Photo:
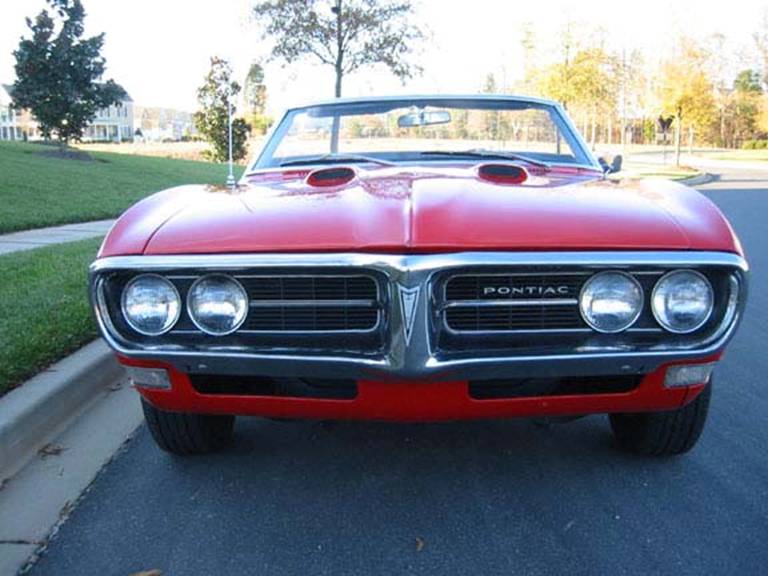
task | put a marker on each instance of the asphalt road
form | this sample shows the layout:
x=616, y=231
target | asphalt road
x=483, y=498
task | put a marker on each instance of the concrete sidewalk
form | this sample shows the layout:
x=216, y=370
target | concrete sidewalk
x=29, y=239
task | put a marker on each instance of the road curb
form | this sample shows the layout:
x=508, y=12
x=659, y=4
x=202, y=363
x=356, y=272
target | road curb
x=704, y=178
x=34, y=412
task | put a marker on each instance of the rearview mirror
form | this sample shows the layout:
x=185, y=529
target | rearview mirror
x=423, y=118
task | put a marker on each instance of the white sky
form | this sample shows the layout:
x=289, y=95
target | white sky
x=159, y=49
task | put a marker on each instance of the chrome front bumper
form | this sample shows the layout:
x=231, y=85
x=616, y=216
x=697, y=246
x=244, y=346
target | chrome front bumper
x=410, y=352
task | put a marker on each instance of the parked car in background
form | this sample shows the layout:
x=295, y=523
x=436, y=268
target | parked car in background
x=423, y=259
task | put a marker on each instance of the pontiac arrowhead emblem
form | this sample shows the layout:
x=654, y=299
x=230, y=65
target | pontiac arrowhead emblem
x=409, y=303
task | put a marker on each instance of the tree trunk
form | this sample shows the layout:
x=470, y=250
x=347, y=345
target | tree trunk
x=339, y=77
x=610, y=131
x=722, y=126
x=678, y=137
x=690, y=140
x=335, y=127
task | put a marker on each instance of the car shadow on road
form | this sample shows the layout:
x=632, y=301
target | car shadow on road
x=343, y=462
x=369, y=498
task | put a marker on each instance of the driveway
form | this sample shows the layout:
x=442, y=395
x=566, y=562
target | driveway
x=466, y=498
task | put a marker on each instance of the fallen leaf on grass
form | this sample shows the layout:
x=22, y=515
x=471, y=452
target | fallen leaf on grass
x=420, y=543
x=50, y=450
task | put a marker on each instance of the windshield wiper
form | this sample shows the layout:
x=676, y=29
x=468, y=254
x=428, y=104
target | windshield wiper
x=337, y=159
x=487, y=154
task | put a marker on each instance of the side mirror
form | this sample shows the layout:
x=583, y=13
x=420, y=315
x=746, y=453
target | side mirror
x=613, y=167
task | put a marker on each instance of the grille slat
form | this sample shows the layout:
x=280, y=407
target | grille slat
x=477, y=318
x=513, y=302
x=312, y=303
x=309, y=287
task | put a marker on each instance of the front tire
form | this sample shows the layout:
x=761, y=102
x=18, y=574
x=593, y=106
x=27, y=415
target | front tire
x=663, y=433
x=187, y=434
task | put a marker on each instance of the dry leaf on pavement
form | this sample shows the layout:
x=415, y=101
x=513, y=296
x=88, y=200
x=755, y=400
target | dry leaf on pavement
x=50, y=450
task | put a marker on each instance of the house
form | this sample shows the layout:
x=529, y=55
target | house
x=15, y=124
x=164, y=124
x=111, y=124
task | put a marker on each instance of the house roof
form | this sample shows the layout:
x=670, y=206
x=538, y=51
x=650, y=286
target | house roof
x=5, y=94
x=127, y=97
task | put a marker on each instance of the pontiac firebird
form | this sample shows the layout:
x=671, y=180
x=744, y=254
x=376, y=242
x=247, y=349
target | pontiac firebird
x=422, y=259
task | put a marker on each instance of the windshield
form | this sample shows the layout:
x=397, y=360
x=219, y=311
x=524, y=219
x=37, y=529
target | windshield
x=424, y=130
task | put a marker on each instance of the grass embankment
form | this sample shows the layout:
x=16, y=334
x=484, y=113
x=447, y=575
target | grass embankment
x=640, y=170
x=44, y=310
x=38, y=190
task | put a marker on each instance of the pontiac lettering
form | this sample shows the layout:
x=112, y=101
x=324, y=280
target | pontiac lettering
x=513, y=291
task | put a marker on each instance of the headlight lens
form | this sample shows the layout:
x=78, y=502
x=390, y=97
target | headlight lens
x=217, y=304
x=611, y=301
x=682, y=301
x=151, y=304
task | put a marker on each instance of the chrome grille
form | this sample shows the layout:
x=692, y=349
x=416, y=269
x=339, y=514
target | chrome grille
x=471, y=286
x=500, y=317
x=314, y=288
x=504, y=302
x=312, y=303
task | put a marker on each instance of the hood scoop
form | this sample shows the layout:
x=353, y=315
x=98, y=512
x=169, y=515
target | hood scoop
x=504, y=174
x=330, y=177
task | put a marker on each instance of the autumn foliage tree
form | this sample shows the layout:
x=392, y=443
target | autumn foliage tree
x=685, y=91
x=255, y=98
x=59, y=71
x=212, y=119
x=745, y=104
x=346, y=35
x=586, y=83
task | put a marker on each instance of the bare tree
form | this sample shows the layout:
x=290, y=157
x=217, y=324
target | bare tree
x=346, y=35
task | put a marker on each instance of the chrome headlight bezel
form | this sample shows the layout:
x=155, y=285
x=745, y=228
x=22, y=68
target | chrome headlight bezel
x=193, y=313
x=637, y=312
x=658, y=316
x=170, y=321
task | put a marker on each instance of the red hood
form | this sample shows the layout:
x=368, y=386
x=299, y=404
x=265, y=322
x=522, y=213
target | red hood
x=422, y=210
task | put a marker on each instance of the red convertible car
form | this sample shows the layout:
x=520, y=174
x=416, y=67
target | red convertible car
x=422, y=259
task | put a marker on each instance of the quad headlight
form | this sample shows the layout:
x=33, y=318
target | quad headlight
x=151, y=304
x=611, y=301
x=682, y=301
x=217, y=304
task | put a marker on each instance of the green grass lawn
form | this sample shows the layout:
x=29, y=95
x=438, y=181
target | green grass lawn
x=38, y=191
x=744, y=155
x=44, y=310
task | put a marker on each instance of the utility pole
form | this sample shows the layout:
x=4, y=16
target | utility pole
x=339, y=72
x=624, y=101
x=231, y=175
x=339, y=47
